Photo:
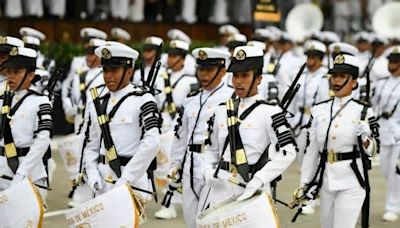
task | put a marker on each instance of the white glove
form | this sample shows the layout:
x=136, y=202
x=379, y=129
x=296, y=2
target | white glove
x=308, y=194
x=17, y=178
x=251, y=188
x=174, y=175
x=363, y=130
x=95, y=182
x=120, y=181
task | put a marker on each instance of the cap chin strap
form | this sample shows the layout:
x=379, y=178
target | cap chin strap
x=252, y=84
x=214, y=77
x=122, y=78
x=23, y=80
x=341, y=87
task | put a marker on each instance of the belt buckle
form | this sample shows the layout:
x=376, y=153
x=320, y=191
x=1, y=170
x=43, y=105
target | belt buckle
x=332, y=157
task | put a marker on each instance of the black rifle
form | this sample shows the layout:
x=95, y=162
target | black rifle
x=56, y=74
x=79, y=179
x=151, y=78
x=102, y=118
x=365, y=160
x=149, y=84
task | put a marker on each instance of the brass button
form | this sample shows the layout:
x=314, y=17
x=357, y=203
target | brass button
x=333, y=137
x=336, y=125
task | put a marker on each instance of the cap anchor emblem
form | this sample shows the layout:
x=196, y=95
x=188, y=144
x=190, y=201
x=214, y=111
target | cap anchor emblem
x=240, y=55
x=105, y=53
x=202, y=55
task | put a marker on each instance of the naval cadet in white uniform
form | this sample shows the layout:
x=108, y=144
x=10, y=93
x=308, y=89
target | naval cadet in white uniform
x=29, y=125
x=314, y=89
x=385, y=103
x=134, y=126
x=265, y=146
x=332, y=165
x=191, y=131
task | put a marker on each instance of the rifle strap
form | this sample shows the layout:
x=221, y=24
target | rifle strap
x=172, y=88
x=10, y=149
x=168, y=90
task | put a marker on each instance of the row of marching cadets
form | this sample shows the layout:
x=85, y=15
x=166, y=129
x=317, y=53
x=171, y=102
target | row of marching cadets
x=223, y=145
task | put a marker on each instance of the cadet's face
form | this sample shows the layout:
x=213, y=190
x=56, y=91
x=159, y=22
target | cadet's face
x=313, y=62
x=92, y=60
x=115, y=78
x=285, y=46
x=342, y=84
x=175, y=62
x=224, y=39
x=148, y=56
x=206, y=75
x=242, y=82
x=394, y=68
x=15, y=77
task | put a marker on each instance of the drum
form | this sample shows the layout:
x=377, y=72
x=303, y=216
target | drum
x=70, y=148
x=255, y=212
x=21, y=206
x=115, y=208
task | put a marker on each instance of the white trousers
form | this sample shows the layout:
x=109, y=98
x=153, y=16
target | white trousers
x=340, y=209
x=192, y=205
x=301, y=141
x=388, y=158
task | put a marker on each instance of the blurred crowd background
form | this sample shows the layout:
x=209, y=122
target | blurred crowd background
x=342, y=16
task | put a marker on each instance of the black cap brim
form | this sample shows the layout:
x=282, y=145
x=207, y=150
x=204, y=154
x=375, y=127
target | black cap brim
x=177, y=51
x=210, y=62
x=116, y=62
x=344, y=69
x=150, y=47
x=314, y=53
x=234, y=44
x=246, y=64
x=19, y=63
x=5, y=48
x=394, y=58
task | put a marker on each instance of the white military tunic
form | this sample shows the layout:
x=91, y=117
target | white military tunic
x=256, y=133
x=30, y=126
x=341, y=193
x=135, y=132
x=192, y=128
